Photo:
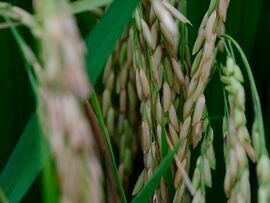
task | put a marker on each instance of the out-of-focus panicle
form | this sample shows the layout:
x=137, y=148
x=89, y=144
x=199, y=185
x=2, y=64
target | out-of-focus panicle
x=121, y=117
x=237, y=145
x=18, y=15
x=63, y=87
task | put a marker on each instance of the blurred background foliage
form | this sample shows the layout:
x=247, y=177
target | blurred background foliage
x=248, y=22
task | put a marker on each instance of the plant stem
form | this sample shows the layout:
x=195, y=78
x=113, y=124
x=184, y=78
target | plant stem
x=105, y=132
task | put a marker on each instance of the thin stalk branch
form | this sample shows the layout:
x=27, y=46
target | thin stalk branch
x=254, y=93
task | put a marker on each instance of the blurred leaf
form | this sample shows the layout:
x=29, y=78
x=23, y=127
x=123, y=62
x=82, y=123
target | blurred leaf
x=87, y=5
x=3, y=197
x=50, y=189
x=102, y=39
x=25, y=162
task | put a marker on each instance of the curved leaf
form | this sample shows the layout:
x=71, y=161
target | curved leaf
x=104, y=36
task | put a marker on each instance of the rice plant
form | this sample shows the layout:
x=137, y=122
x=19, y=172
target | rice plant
x=124, y=94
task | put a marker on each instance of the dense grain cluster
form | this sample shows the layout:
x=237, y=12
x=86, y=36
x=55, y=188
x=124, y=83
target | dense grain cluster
x=161, y=75
x=212, y=25
x=159, y=79
x=163, y=83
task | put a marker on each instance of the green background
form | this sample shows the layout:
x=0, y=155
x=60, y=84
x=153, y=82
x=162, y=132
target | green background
x=248, y=22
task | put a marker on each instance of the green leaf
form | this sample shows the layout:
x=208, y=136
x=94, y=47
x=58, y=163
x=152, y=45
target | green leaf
x=50, y=189
x=148, y=190
x=25, y=162
x=104, y=36
x=164, y=144
x=164, y=152
x=3, y=197
x=87, y=5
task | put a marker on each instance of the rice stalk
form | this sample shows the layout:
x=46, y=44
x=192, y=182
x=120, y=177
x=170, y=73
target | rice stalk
x=237, y=145
x=212, y=26
x=258, y=134
x=205, y=47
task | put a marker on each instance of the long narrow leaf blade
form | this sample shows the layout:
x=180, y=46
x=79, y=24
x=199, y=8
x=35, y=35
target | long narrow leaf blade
x=3, y=197
x=168, y=174
x=87, y=5
x=96, y=106
x=148, y=190
x=104, y=36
